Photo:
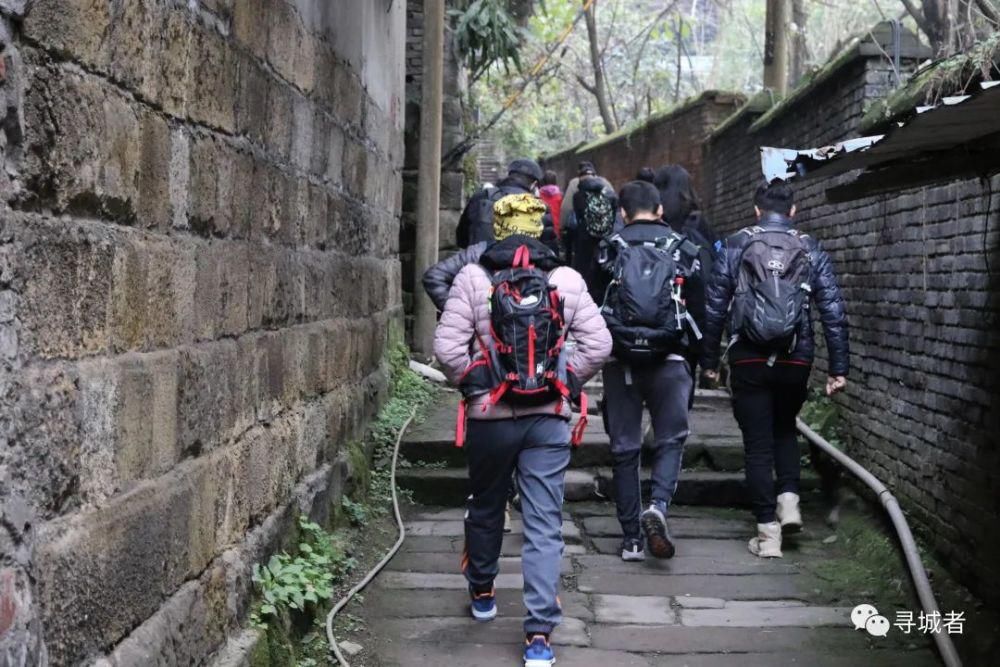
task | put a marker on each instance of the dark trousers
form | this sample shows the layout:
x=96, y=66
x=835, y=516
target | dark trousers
x=537, y=450
x=664, y=388
x=766, y=401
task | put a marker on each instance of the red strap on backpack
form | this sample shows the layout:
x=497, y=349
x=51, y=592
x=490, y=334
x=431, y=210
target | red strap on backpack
x=460, y=425
x=581, y=425
x=522, y=257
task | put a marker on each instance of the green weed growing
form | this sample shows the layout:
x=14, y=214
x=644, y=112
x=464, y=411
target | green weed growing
x=295, y=583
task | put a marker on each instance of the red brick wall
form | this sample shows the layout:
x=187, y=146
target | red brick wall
x=676, y=137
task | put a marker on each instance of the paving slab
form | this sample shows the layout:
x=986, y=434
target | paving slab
x=685, y=640
x=394, y=653
x=872, y=658
x=686, y=546
x=735, y=587
x=588, y=657
x=444, y=630
x=570, y=532
x=432, y=581
x=768, y=617
x=448, y=563
x=512, y=545
x=686, y=564
x=397, y=603
x=681, y=527
x=634, y=609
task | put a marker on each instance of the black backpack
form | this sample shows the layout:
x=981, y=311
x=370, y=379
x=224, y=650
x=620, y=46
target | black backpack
x=643, y=306
x=526, y=320
x=597, y=215
x=526, y=364
x=772, y=288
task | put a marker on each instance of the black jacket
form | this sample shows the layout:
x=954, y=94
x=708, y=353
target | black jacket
x=476, y=223
x=825, y=294
x=696, y=228
x=648, y=231
x=439, y=278
x=581, y=248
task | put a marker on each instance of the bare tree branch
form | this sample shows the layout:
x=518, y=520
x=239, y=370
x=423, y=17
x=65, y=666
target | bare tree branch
x=590, y=88
x=918, y=17
x=600, y=87
x=989, y=11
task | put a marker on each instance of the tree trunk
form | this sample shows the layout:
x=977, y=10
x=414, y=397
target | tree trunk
x=799, y=46
x=776, y=46
x=600, y=89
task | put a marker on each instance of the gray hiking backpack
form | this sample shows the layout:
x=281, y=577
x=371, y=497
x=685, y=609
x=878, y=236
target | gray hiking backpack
x=772, y=289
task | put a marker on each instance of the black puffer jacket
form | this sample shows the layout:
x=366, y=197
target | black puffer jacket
x=825, y=294
x=438, y=279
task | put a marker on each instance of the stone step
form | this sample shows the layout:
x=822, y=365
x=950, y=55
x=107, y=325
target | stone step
x=721, y=453
x=449, y=486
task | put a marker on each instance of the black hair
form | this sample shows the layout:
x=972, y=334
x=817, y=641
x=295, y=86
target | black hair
x=676, y=194
x=586, y=167
x=523, y=180
x=639, y=197
x=646, y=174
x=550, y=178
x=774, y=197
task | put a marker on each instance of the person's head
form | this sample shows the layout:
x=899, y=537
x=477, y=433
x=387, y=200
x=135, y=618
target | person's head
x=640, y=201
x=525, y=171
x=518, y=214
x=586, y=168
x=676, y=193
x=646, y=174
x=550, y=178
x=774, y=197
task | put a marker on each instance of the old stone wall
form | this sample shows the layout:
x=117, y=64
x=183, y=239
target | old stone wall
x=921, y=290
x=672, y=138
x=198, y=277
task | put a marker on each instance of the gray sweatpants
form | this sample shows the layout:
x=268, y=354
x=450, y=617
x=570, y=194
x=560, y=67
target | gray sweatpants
x=537, y=449
x=664, y=388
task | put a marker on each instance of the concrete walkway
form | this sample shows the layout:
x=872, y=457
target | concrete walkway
x=714, y=604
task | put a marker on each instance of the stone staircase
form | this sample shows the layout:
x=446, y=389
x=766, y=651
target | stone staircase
x=713, y=458
x=713, y=605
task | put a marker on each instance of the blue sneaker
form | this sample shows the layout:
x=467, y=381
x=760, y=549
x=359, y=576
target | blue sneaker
x=484, y=605
x=538, y=652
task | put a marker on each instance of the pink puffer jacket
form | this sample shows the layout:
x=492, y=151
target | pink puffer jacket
x=467, y=313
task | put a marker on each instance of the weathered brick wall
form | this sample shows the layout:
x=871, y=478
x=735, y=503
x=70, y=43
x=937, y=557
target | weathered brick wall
x=198, y=276
x=673, y=138
x=921, y=404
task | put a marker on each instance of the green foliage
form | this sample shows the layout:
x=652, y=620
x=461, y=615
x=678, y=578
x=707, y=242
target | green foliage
x=823, y=416
x=303, y=581
x=486, y=35
x=357, y=513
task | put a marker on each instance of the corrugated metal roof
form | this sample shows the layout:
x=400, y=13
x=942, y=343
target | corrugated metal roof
x=954, y=122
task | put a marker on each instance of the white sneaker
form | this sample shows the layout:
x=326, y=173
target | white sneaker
x=788, y=513
x=767, y=544
x=632, y=550
x=507, y=525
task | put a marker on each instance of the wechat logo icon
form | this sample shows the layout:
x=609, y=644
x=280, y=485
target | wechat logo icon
x=866, y=617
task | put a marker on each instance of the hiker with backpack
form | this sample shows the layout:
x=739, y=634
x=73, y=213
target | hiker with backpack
x=567, y=223
x=765, y=282
x=476, y=222
x=651, y=331
x=682, y=212
x=550, y=193
x=501, y=340
x=595, y=218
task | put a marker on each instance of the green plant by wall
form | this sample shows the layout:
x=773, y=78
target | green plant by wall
x=302, y=582
x=822, y=415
